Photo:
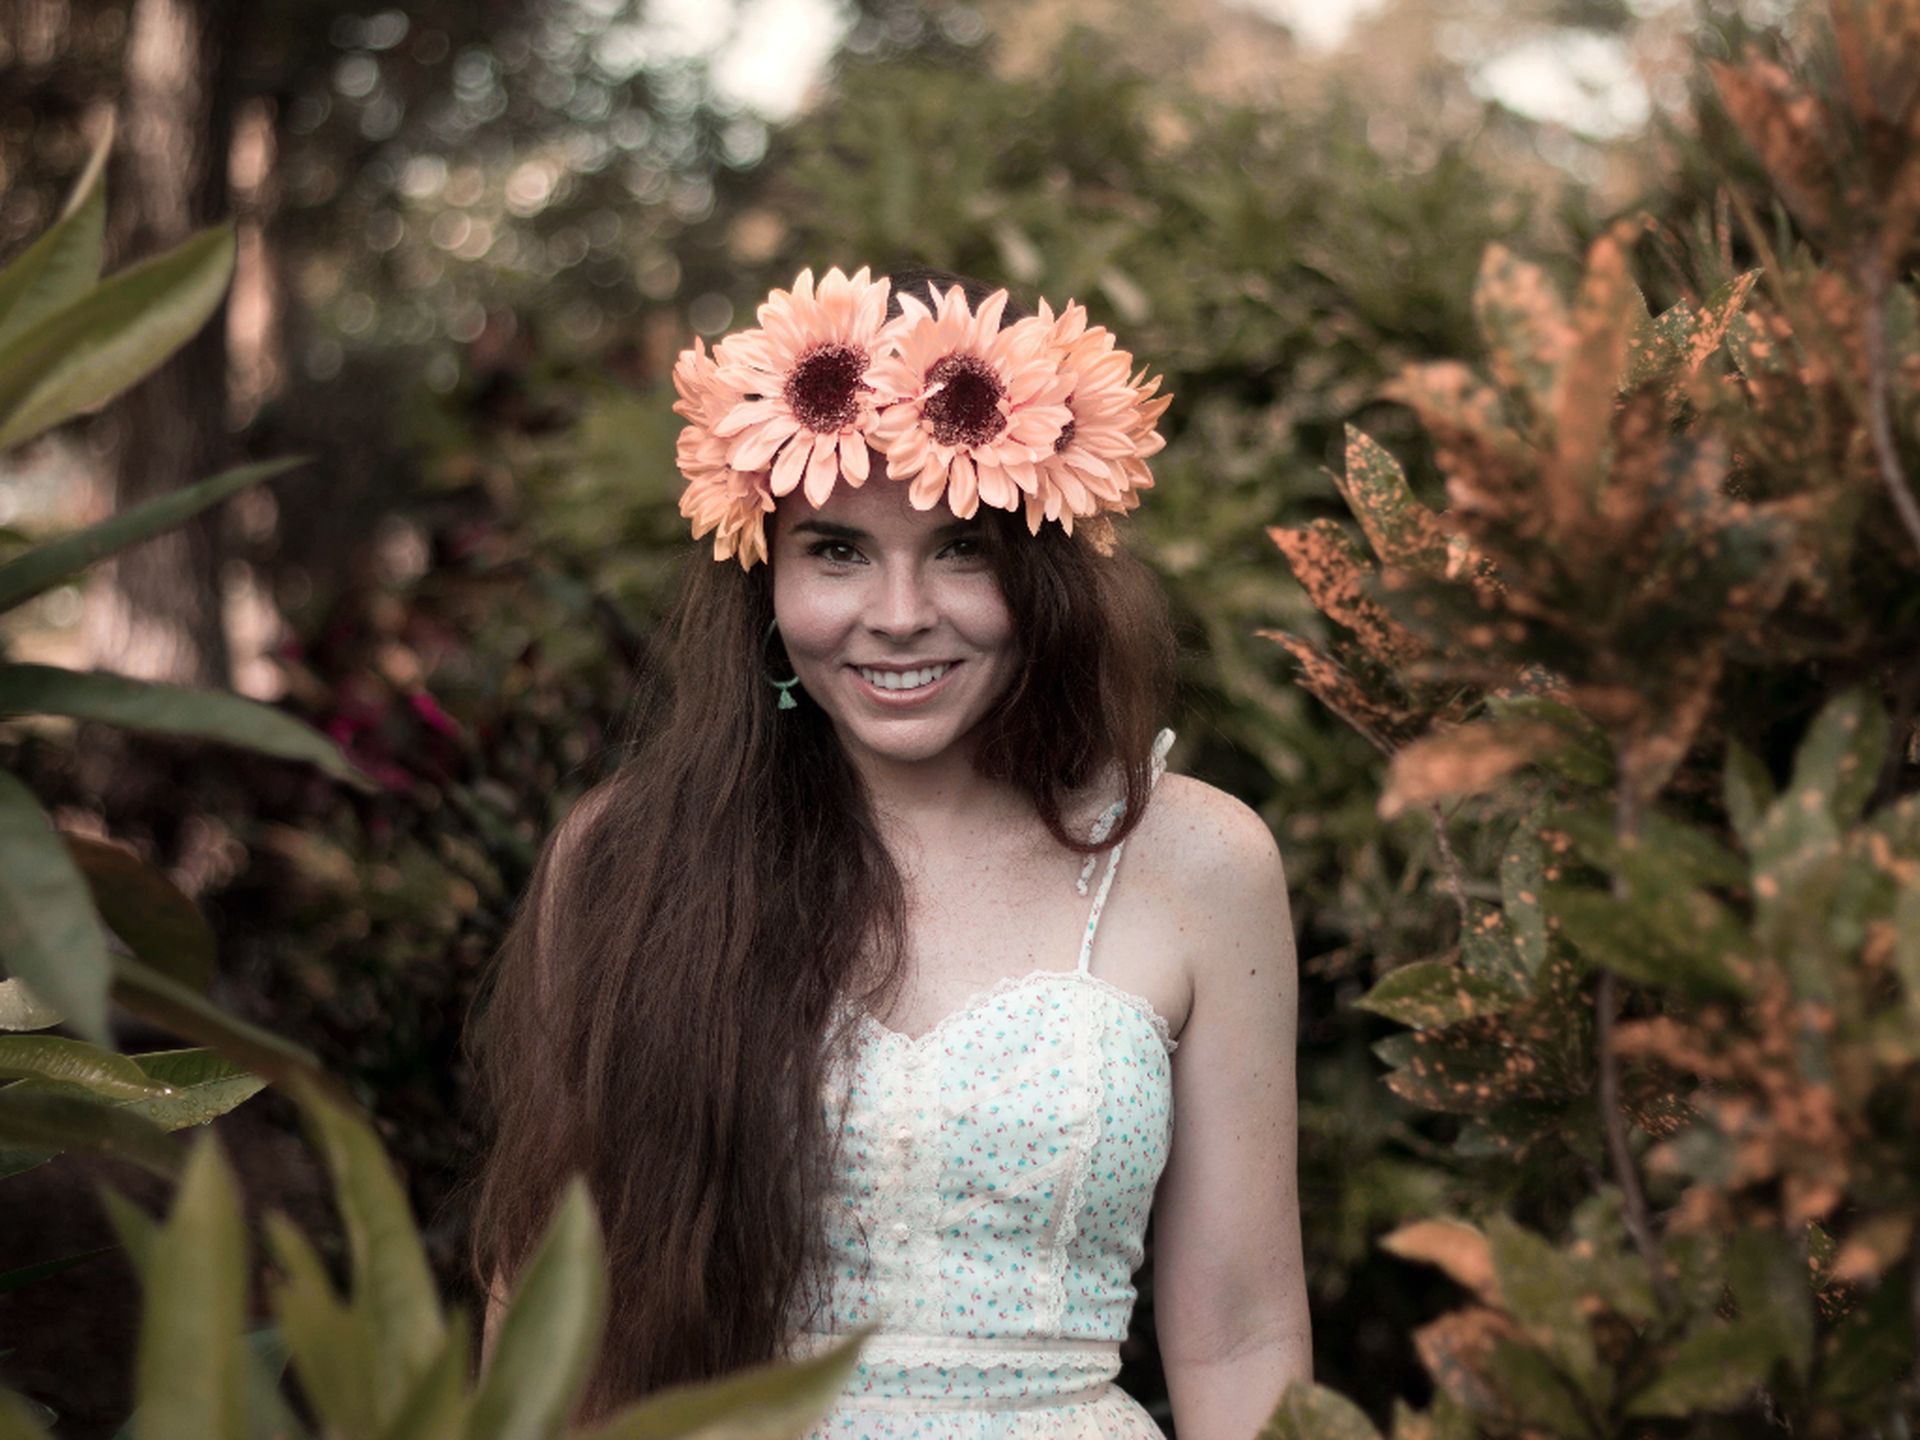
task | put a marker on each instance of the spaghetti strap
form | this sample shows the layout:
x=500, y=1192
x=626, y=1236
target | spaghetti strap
x=1102, y=828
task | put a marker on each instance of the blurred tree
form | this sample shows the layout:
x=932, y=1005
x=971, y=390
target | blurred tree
x=156, y=609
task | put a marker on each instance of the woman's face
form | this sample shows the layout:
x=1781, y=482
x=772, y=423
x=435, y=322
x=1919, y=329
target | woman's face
x=892, y=616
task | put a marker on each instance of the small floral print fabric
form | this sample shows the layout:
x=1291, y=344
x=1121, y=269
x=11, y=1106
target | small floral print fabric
x=994, y=1183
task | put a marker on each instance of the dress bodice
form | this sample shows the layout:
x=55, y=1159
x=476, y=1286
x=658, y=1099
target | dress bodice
x=993, y=1185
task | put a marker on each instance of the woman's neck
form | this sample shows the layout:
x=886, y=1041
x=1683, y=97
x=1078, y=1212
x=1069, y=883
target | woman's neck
x=938, y=795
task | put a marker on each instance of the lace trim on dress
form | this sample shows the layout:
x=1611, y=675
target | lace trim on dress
x=1086, y=1069
x=1139, y=1004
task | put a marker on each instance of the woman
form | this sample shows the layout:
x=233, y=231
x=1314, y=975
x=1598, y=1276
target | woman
x=810, y=988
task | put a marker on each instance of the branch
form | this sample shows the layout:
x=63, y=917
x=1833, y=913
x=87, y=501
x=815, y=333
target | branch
x=1612, y=1118
x=1873, y=279
x=1456, y=878
x=1614, y=1123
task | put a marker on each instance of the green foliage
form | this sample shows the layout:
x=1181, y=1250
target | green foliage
x=385, y=1361
x=68, y=342
x=1664, y=536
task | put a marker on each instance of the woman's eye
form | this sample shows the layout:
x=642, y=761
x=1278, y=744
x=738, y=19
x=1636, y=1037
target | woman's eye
x=838, y=551
x=964, y=548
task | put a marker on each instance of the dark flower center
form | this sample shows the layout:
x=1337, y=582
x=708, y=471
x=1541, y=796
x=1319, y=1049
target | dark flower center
x=1066, y=437
x=966, y=410
x=823, y=388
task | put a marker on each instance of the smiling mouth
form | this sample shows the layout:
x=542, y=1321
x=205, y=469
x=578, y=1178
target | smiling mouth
x=903, y=679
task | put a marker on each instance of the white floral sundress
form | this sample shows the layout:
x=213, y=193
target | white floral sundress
x=995, y=1178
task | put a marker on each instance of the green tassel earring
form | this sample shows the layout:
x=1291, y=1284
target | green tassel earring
x=785, y=687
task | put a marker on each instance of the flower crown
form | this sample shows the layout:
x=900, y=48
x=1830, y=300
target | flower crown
x=1045, y=415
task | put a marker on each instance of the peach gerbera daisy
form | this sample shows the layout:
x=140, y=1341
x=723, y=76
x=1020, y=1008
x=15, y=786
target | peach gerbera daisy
x=967, y=407
x=732, y=503
x=804, y=402
x=1099, y=460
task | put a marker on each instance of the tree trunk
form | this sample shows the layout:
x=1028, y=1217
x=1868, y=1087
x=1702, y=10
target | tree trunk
x=155, y=611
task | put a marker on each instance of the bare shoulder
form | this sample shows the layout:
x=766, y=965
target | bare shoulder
x=1226, y=880
x=1209, y=841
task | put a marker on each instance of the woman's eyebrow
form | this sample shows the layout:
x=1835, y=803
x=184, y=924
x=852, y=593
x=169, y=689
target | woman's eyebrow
x=829, y=529
x=835, y=531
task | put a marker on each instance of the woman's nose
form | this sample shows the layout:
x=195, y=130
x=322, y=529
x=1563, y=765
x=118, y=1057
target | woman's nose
x=904, y=605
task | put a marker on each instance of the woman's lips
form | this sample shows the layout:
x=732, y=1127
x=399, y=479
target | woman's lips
x=899, y=699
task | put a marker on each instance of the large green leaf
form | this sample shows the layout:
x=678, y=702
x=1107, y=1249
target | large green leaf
x=1684, y=939
x=87, y=352
x=74, y=1062
x=55, y=561
x=22, y=1276
x=46, y=1120
x=1664, y=855
x=64, y=263
x=21, y=1009
x=550, y=1334
x=1767, y=1275
x=189, y=1014
x=1541, y=1289
x=394, y=1297
x=202, y=1085
x=150, y=913
x=171, y=710
x=1313, y=1412
x=1535, y=1391
x=1432, y=993
x=1838, y=762
x=263, y=1361
x=778, y=1400
x=330, y=1345
x=190, y=1379
x=1715, y=1367
x=49, y=934
x=134, y=1227
x=199, y=1086
x=1870, y=1350
x=20, y=1420
x=439, y=1404
x=1748, y=791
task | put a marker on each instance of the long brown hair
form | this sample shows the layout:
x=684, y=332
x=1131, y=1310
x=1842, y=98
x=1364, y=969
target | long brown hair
x=661, y=1016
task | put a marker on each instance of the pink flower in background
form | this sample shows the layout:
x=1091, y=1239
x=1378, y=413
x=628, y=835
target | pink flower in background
x=429, y=710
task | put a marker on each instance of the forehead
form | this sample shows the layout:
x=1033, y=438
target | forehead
x=879, y=508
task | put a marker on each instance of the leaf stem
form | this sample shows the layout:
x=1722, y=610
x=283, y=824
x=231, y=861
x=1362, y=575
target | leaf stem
x=1873, y=280
x=1612, y=1117
x=1456, y=878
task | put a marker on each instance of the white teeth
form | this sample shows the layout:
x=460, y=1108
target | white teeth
x=903, y=679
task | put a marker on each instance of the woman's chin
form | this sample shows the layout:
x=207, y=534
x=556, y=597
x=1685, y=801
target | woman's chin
x=903, y=740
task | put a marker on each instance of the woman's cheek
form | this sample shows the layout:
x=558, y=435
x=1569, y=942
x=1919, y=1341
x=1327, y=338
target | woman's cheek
x=816, y=621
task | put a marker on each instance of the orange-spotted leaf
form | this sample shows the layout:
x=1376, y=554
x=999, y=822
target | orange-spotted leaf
x=1471, y=1067
x=1402, y=531
x=1466, y=761
x=1334, y=569
x=1789, y=129
x=1679, y=340
x=1456, y=1350
x=1526, y=327
x=1384, y=722
x=1582, y=403
x=1429, y=994
x=1488, y=467
x=1454, y=1246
